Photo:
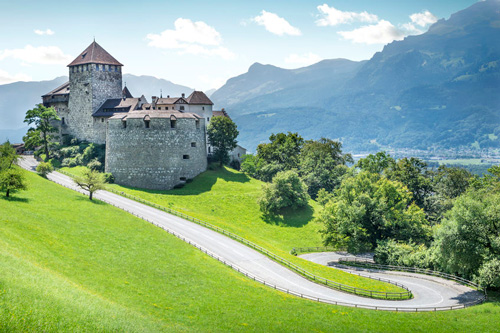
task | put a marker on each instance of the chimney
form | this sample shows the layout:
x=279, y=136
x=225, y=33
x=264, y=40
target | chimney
x=183, y=95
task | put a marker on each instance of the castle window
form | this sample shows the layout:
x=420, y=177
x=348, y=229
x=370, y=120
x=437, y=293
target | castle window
x=209, y=150
x=107, y=68
x=173, y=123
x=208, y=118
x=193, y=144
x=185, y=157
x=146, y=123
x=181, y=108
x=111, y=68
x=166, y=108
x=97, y=67
x=183, y=179
x=62, y=120
x=102, y=120
x=159, y=108
x=197, y=123
x=203, y=108
x=124, y=123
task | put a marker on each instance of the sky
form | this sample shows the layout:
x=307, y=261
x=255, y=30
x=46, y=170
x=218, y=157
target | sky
x=201, y=44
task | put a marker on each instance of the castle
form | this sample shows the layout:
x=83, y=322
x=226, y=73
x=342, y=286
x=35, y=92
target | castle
x=155, y=145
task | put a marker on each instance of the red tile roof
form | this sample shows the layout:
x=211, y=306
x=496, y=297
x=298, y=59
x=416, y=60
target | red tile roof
x=95, y=54
x=199, y=97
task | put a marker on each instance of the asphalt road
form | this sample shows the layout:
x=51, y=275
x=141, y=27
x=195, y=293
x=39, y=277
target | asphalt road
x=429, y=292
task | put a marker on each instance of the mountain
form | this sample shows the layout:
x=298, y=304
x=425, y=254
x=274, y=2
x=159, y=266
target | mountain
x=18, y=97
x=438, y=89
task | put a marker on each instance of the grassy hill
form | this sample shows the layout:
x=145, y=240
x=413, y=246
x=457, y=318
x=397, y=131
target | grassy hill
x=228, y=199
x=69, y=264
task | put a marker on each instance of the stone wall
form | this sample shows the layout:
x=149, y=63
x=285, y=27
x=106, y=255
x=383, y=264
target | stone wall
x=158, y=157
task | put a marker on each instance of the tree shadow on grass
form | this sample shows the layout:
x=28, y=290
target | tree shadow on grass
x=201, y=183
x=290, y=218
x=14, y=199
x=93, y=201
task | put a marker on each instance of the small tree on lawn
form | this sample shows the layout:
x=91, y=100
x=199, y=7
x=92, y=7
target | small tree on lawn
x=286, y=191
x=91, y=181
x=222, y=133
x=40, y=135
x=11, y=179
x=44, y=168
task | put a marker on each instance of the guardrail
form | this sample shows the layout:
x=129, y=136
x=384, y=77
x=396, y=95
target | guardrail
x=317, y=249
x=329, y=283
x=305, y=296
x=370, y=264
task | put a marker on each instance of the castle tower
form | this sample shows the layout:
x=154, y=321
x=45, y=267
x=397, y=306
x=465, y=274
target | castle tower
x=94, y=77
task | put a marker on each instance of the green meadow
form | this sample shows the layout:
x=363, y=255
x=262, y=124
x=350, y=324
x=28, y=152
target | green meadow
x=69, y=264
x=228, y=199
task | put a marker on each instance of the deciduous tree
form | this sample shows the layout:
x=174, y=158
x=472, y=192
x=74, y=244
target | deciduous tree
x=91, y=181
x=41, y=134
x=222, y=133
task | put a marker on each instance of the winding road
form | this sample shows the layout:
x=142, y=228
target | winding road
x=430, y=293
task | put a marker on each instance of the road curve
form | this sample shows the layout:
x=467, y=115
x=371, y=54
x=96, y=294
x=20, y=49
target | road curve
x=429, y=293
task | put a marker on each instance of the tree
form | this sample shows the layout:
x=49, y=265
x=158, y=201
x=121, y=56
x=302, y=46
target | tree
x=368, y=208
x=283, y=150
x=222, y=133
x=40, y=135
x=377, y=163
x=11, y=179
x=469, y=235
x=413, y=173
x=8, y=156
x=44, y=168
x=286, y=191
x=91, y=181
x=322, y=164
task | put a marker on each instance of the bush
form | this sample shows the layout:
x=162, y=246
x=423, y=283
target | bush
x=286, y=191
x=108, y=178
x=235, y=164
x=95, y=165
x=489, y=274
x=44, y=168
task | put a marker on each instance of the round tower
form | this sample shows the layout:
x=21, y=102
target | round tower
x=94, y=77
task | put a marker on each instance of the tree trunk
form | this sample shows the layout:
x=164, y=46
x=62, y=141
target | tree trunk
x=90, y=195
x=7, y=193
x=46, y=146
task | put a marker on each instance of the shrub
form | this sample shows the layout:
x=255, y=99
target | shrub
x=489, y=274
x=44, y=168
x=108, y=178
x=95, y=165
x=235, y=164
x=286, y=191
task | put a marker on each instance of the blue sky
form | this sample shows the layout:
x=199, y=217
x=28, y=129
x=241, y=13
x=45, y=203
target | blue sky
x=203, y=43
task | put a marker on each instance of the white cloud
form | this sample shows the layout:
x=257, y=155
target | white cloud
x=8, y=78
x=46, y=55
x=381, y=33
x=275, y=24
x=423, y=19
x=333, y=16
x=191, y=38
x=302, y=59
x=44, y=32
